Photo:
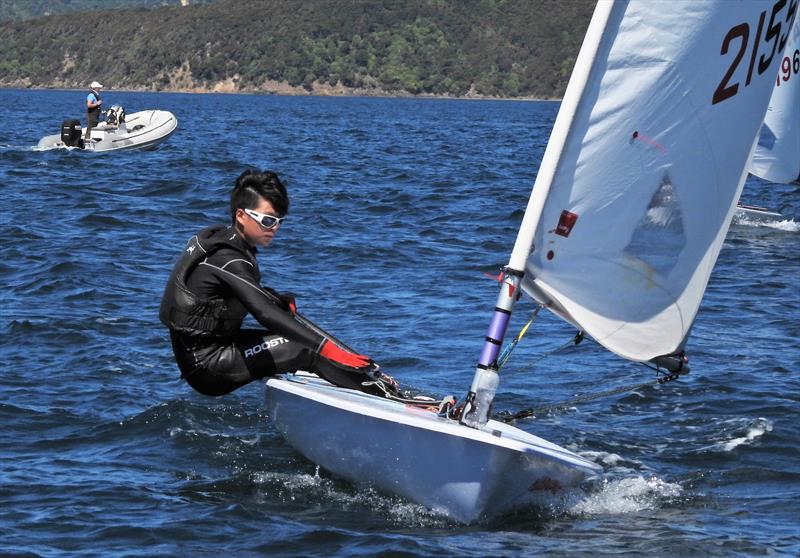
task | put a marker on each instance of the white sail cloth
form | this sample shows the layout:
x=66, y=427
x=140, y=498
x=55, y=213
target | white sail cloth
x=643, y=170
x=777, y=156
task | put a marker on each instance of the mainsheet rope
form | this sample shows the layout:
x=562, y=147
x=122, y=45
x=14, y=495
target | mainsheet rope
x=507, y=416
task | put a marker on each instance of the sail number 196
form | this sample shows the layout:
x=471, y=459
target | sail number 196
x=789, y=67
x=739, y=36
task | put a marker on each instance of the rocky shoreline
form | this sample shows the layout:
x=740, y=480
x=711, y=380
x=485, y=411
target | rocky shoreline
x=185, y=84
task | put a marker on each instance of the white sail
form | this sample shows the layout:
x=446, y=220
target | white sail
x=640, y=178
x=777, y=156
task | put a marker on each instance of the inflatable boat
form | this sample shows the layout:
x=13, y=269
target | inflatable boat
x=139, y=130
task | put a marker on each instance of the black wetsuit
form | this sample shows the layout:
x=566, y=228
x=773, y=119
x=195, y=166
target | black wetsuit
x=215, y=284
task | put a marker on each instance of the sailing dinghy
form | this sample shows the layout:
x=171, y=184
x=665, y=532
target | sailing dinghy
x=777, y=155
x=756, y=214
x=635, y=194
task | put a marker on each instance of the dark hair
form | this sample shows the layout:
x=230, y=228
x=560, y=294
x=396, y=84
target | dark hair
x=252, y=185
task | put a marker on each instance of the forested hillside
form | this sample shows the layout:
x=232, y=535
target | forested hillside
x=28, y=9
x=502, y=48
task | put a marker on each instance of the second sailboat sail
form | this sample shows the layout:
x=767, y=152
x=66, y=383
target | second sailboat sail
x=777, y=156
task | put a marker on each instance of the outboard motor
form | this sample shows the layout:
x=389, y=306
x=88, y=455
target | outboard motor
x=71, y=133
x=115, y=116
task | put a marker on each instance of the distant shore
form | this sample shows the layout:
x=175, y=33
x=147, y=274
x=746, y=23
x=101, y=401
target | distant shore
x=271, y=88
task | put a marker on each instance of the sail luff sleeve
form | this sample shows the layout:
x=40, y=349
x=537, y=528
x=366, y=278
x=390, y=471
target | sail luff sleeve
x=479, y=399
x=558, y=137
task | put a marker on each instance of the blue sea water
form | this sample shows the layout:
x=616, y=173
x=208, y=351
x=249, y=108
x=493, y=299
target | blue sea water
x=399, y=209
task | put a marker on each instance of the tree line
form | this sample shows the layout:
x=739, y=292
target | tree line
x=20, y=10
x=502, y=48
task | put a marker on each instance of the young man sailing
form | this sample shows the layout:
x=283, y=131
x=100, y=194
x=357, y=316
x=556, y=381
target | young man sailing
x=216, y=283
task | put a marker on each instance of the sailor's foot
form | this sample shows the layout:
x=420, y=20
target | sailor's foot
x=454, y=408
x=385, y=386
x=390, y=382
x=446, y=405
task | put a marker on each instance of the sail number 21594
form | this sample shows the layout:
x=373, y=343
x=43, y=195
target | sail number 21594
x=768, y=41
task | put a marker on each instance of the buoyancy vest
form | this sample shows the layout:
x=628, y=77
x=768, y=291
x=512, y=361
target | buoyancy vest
x=182, y=310
x=95, y=109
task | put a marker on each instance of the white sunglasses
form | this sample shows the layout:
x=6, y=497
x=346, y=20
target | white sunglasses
x=266, y=221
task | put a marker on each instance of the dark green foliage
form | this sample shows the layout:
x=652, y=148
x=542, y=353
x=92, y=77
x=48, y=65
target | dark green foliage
x=19, y=10
x=502, y=48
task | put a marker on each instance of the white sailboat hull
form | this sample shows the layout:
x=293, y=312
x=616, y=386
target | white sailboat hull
x=467, y=474
x=756, y=214
x=141, y=130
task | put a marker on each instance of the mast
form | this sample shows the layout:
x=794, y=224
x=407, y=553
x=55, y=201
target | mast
x=479, y=399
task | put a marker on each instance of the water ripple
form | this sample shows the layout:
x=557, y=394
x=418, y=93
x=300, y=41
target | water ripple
x=400, y=208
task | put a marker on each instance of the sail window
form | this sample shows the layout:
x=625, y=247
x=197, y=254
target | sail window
x=659, y=236
x=766, y=138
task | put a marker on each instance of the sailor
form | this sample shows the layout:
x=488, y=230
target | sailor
x=93, y=102
x=216, y=283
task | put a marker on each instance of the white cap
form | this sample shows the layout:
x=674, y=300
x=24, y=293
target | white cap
x=96, y=85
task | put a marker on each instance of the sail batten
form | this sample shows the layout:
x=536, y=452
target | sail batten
x=634, y=198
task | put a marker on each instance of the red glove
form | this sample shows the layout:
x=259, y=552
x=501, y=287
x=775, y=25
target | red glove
x=283, y=300
x=332, y=352
x=289, y=301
